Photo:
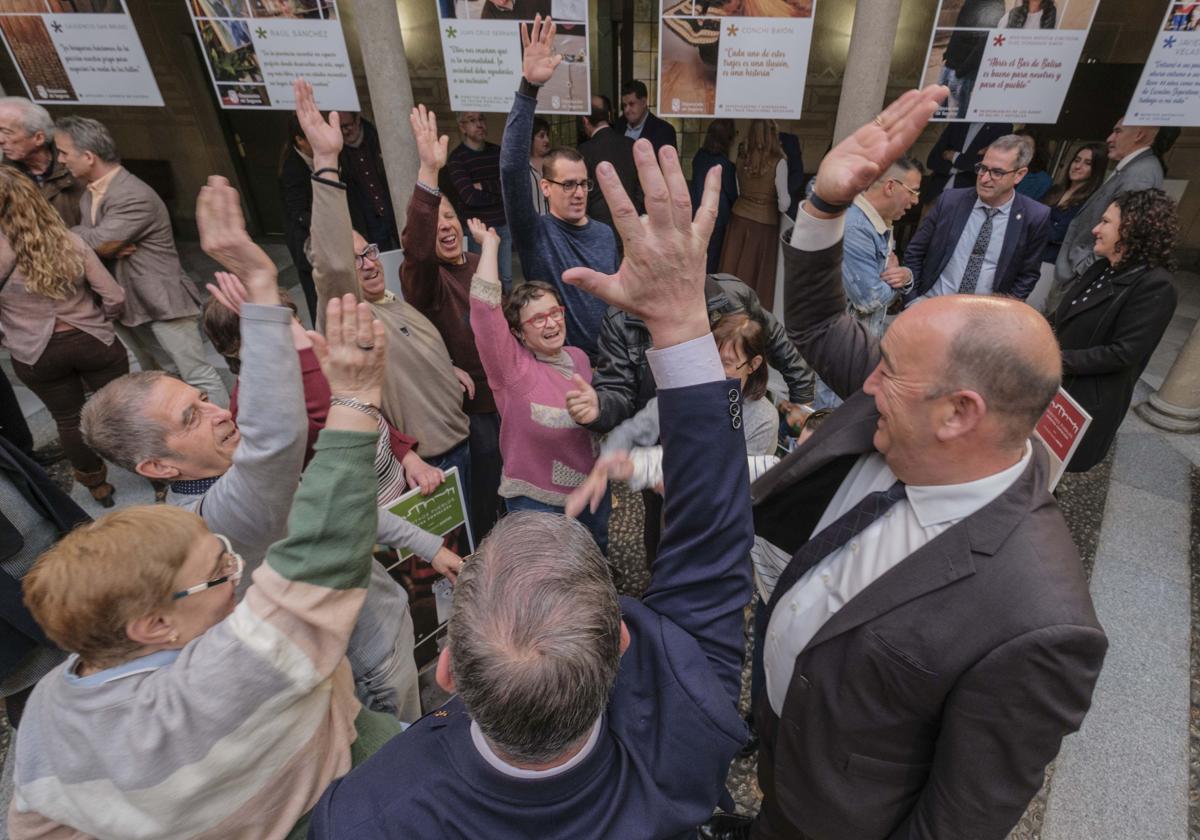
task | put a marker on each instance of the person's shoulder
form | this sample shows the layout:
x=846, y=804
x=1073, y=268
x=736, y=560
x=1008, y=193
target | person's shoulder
x=1034, y=209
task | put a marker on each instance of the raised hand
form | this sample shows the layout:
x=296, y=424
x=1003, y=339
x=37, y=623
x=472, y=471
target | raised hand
x=856, y=162
x=582, y=403
x=230, y=291
x=482, y=234
x=661, y=278
x=223, y=237
x=324, y=136
x=540, y=60
x=616, y=466
x=431, y=148
x=352, y=351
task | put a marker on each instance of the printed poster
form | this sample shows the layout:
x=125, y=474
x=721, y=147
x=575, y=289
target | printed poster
x=733, y=58
x=1006, y=60
x=1169, y=90
x=1061, y=429
x=481, y=46
x=255, y=49
x=443, y=512
x=81, y=51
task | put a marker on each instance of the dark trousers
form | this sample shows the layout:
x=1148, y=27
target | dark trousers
x=12, y=420
x=486, y=466
x=72, y=364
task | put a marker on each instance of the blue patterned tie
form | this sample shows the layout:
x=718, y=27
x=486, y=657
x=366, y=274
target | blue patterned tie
x=835, y=535
x=975, y=263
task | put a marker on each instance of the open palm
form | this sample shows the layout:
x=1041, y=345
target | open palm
x=540, y=59
x=324, y=137
x=431, y=149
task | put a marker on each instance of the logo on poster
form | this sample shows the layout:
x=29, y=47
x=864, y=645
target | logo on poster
x=675, y=103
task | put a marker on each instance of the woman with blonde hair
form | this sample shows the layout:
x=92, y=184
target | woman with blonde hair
x=751, y=240
x=57, y=305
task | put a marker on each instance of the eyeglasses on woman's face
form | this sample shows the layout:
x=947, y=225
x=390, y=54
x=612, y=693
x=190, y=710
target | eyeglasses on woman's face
x=232, y=566
x=540, y=320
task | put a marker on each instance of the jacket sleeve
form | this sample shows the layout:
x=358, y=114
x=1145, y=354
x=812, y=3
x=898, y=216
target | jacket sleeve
x=918, y=248
x=400, y=533
x=419, y=271
x=112, y=296
x=332, y=247
x=522, y=216
x=615, y=376
x=982, y=776
x=837, y=345
x=1136, y=331
x=1031, y=266
x=123, y=218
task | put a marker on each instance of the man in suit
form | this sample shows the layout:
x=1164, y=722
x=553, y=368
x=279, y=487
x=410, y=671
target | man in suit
x=637, y=120
x=932, y=639
x=580, y=714
x=1137, y=169
x=605, y=144
x=126, y=223
x=986, y=240
x=953, y=157
x=27, y=142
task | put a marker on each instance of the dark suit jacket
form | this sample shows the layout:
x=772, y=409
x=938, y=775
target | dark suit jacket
x=613, y=146
x=1107, y=340
x=671, y=726
x=295, y=190
x=929, y=705
x=658, y=131
x=952, y=139
x=1020, y=263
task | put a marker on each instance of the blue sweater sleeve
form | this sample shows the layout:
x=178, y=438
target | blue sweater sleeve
x=514, y=176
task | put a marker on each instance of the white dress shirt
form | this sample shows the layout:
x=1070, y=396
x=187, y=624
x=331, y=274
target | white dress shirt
x=843, y=574
x=952, y=276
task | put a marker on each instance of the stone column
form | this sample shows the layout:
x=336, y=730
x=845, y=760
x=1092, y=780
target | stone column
x=382, y=47
x=1175, y=406
x=868, y=63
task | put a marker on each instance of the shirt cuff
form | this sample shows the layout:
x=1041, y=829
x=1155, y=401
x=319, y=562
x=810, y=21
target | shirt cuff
x=813, y=234
x=690, y=363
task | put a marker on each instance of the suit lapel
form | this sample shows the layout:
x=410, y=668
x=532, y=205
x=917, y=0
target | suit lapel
x=962, y=212
x=1012, y=232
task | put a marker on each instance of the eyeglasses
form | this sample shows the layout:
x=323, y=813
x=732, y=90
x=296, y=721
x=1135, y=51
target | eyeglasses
x=371, y=252
x=570, y=186
x=995, y=173
x=729, y=364
x=914, y=193
x=233, y=567
x=540, y=320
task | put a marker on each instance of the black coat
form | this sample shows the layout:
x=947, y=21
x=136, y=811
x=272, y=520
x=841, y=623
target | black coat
x=613, y=146
x=1107, y=339
x=658, y=131
x=295, y=190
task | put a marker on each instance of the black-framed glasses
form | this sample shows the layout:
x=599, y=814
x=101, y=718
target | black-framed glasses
x=371, y=252
x=912, y=192
x=995, y=173
x=570, y=186
x=233, y=567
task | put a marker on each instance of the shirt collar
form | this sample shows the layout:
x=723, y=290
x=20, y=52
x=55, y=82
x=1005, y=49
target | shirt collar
x=942, y=503
x=141, y=665
x=1003, y=208
x=194, y=486
x=881, y=227
x=1123, y=162
x=101, y=183
x=500, y=765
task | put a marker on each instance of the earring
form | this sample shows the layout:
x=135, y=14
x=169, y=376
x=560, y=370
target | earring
x=173, y=638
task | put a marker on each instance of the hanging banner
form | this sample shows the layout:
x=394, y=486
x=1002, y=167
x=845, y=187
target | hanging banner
x=733, y=58
x=1006, y=60
x=481, y=46
x=255, y=49
x=1169, y=90
x=80, y=51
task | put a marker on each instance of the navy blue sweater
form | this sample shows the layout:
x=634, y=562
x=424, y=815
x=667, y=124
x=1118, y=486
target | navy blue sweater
x=549, y=246
x=671, y=726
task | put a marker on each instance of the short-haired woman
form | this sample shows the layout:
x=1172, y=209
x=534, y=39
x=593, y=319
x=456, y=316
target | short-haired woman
x=57, y=305
x=718, y=140
x=182, y=712
x=1113, y=314
x=530, y=371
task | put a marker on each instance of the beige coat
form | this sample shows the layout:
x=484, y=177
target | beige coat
x=156, y=286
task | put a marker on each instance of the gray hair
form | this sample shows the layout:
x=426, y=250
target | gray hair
x=34, y=117
x=535, y=636
x=114, y=423
x=90, y=135
x=1022, y=145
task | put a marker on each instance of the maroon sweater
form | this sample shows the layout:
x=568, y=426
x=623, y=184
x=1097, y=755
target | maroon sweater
x=442, y=293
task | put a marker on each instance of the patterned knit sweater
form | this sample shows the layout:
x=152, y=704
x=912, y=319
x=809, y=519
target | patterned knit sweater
x=237, y=734
x=546, y=455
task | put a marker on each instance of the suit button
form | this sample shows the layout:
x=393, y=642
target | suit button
x=736, y=422
x=733, y=395
x=734, y=409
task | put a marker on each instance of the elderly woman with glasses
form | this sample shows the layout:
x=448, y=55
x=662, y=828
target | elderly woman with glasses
x=181, y=712
x=521, y=344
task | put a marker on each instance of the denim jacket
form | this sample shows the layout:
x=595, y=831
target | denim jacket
x=866, y=245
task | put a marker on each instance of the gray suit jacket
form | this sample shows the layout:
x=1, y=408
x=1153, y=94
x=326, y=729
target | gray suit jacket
x=156, y=286
x=1142, y=173
x=930, y=704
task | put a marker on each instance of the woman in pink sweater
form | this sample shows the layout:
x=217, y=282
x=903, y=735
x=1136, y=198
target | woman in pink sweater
x=546, y=455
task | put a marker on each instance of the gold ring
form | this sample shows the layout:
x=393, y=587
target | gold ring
x=878, y=120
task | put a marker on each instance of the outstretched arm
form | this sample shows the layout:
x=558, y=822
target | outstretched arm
x=419, y=271
x=504, y=358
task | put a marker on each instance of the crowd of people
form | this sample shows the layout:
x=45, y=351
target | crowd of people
x=236, y=662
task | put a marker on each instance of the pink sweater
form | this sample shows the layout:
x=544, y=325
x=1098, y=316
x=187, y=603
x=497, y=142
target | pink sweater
x=546, y=455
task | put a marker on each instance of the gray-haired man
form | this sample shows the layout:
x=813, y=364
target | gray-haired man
x=126, y=223
x=27, y=141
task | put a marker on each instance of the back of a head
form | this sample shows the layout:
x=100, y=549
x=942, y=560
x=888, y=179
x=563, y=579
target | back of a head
x=90, y=135
x=51, y=262
x=535, y=635
x=34, y=117
x=718, y=138
x=114, y=423
x=601, y=110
